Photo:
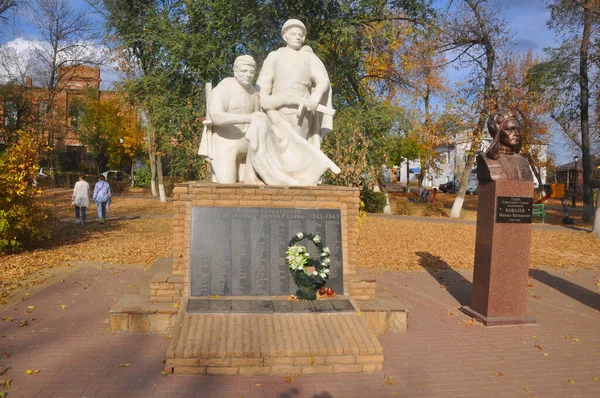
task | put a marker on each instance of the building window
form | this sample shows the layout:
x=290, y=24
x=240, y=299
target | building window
x=11, y=114
x=43, y=106
x=75, y=112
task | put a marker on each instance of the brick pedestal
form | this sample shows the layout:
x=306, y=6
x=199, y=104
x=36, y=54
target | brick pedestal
x=502, y=253
x=188, y=195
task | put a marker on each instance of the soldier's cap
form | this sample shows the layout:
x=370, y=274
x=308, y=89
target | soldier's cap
x=291, y=23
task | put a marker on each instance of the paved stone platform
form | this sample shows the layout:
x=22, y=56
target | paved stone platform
x=443, y=354
x=273, y=344
x=267, y=306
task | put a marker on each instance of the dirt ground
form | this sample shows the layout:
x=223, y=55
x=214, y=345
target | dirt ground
x=409, y=245
x=138, y=231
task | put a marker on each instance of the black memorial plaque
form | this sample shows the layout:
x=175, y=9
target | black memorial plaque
x=240, y=251
x=514, y=209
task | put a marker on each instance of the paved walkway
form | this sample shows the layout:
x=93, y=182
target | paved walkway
x=63, y=332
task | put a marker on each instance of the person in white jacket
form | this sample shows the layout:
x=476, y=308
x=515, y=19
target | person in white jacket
x=81, y=199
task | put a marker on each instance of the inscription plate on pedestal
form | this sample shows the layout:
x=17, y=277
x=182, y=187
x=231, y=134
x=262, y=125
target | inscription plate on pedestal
x=514, y=209
x=240, y=251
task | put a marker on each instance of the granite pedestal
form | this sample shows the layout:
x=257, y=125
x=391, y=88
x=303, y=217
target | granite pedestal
x=502, y=250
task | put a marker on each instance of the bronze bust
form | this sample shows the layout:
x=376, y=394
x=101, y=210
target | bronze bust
x=502, y=160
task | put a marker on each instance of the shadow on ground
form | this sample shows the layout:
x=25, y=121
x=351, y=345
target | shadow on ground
x=576, y=292
x=457, y=285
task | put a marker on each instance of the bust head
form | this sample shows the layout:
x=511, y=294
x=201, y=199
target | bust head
x=504, y=128
x=244, y=69
x=293, y=32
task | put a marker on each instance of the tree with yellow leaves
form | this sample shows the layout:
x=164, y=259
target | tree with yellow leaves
x=514, y=92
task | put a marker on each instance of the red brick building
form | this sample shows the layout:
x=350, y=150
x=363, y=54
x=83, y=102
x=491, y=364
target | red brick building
x=22, y=107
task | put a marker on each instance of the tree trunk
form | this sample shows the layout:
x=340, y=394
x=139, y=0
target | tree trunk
x=464, y=181
x=153, y=173
x=152, y=156
x=536, y=173
x=407, y=176
x=161, y=185
x=588, y=205
x=490, y=57
x=596, y=227
x=132, y=172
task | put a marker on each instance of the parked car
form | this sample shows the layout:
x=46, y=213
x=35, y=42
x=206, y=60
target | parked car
x=471, y=189
x=447, y=187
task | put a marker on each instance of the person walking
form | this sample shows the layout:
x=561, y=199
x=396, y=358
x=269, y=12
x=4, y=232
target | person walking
x=102, y=196
x=81, y=199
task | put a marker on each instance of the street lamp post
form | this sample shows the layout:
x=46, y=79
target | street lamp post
x=576, y=174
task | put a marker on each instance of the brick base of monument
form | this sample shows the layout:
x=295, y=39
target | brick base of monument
x=502, y=251
x=497, y=321
x=272, y=344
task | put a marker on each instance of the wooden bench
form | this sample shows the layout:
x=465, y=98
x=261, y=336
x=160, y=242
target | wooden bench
x=539, y=209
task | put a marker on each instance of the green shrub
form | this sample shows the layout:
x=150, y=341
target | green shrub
x=404, y=207
x=23, y=222
x=434, y=210
x=143, y=176
x=374, y=202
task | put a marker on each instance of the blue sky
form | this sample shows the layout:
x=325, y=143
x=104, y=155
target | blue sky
x=526, y=18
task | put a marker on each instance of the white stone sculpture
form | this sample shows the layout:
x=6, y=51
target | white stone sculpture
x=229, y=111
x=281, y=146
x=296, y=94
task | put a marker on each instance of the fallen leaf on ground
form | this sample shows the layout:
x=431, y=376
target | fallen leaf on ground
x=594, y=378
x=471, y=322
x=288, y=379
x=32, y=371
x=569, y=337
x=6, y=355
x=62, y=306
x=258, y=385
x=499, y=374
x=571, y=381
x=124, y=365
x=388, y=380
x=5, y=383
x=31, y=307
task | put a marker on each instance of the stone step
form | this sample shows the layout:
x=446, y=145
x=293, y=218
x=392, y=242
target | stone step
x=272, y=344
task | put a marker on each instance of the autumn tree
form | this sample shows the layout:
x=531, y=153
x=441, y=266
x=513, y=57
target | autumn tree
x=109, y=129
x=577, y=22
x=514, y=90
x=473, y=33
x=23, y=221
x=15, y=92
x=175, y=46
x=67, y=40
